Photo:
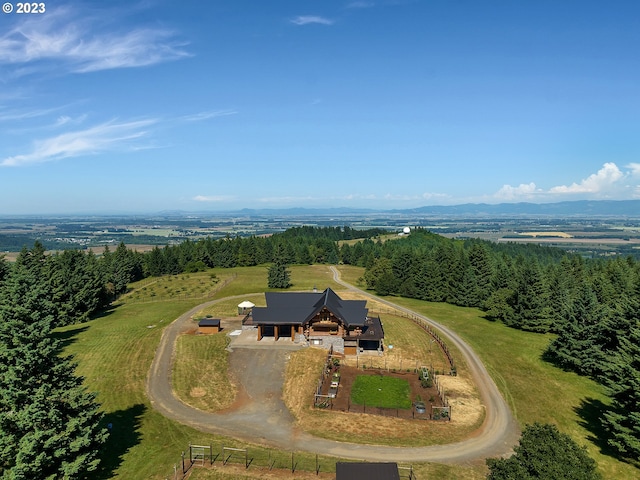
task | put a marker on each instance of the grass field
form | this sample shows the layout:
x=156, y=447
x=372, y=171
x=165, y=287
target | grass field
x=114, y=353
x=380, y=391
x=200, y=372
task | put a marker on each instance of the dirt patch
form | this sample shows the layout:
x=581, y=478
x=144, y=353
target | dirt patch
x=466, y=408
x=197, y=392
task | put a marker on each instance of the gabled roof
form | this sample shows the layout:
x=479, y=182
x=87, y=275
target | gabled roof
x=300, y=307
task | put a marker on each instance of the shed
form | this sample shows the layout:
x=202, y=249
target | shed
x=245, y=307
x=209, y=325
x=367, y=471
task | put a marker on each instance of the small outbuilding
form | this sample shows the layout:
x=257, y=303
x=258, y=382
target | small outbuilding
x=367, y=471
x=209, y=325
x=245, y=307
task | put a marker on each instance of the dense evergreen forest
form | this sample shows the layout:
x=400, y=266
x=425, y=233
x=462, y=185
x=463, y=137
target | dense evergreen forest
x=593, y=306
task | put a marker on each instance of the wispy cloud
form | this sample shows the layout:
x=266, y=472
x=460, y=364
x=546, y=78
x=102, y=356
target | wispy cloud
x=67, y=120
x=79, y=46
x=311, y=19
x=214, y=198
x=198, y=117
x=100, y=138
x=360, y=5
x=14, y=115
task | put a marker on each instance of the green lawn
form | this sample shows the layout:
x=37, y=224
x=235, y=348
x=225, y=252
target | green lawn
x=381, y=391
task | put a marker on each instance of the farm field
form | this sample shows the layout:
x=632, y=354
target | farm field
x=146, y=445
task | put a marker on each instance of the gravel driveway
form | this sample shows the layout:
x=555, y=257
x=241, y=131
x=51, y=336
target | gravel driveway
x=260, y=416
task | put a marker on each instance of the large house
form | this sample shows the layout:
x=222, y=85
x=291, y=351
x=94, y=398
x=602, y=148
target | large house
x=320, y=319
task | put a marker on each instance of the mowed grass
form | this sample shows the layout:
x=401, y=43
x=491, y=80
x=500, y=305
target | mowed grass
x=381, y=391
x=200, y=372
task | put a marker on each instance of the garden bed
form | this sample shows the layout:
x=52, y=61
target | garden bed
x=344, y=401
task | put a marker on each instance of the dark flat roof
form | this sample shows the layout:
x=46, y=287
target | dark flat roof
x=367, y=471
x=209, y=322
x=372, y=330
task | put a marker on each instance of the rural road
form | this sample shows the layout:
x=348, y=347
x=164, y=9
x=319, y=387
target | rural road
x=262, y=417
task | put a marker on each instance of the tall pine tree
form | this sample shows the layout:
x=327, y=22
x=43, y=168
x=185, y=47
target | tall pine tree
x=622, y=421
x=49, y=424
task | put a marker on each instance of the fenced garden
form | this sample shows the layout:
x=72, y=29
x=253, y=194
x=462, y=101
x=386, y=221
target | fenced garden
x=413, y=394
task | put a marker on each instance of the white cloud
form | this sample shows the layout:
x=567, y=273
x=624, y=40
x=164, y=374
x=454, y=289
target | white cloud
x=74, y=43
x=635, y=169
x=604, y=179
x=524, y=190
x=100, y=138
x=308, y=19
x=608, y=182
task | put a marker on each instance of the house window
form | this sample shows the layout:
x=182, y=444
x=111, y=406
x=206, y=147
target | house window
x=316, y=341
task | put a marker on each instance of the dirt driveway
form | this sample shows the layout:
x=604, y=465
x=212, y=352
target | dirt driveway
x=260, y=416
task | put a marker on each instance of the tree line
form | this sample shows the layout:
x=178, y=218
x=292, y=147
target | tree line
x=593, y=305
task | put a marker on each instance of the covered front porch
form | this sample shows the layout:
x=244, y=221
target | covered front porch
x=278, y=331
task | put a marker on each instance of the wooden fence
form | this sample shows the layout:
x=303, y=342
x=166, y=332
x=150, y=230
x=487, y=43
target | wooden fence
x=268, y=459
x=427, y=328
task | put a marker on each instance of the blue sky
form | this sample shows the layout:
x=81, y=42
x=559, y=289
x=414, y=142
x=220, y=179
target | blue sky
x=217, y=105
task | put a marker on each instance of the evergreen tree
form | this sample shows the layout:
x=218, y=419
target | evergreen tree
x=622, y=421
x=578, y=347
x=49, y=424
x=545, y=454
x=529, y=300
x=482, y=269
x=279, y=276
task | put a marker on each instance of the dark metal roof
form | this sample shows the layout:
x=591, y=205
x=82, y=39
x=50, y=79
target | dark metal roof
x=372, y=330
x=300, y=307
x=367, y=471
x=209, y=322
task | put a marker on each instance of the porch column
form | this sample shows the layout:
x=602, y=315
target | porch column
x=259, y=332
x=275, y=332
x=293, y=332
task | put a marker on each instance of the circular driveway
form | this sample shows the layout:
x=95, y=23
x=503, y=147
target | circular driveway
x=260, y=415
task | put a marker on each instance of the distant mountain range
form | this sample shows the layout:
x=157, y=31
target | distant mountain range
x=580, y=208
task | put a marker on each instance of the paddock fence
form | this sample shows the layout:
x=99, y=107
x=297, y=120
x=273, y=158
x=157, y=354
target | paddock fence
x=426, y=327
x=265, y=459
